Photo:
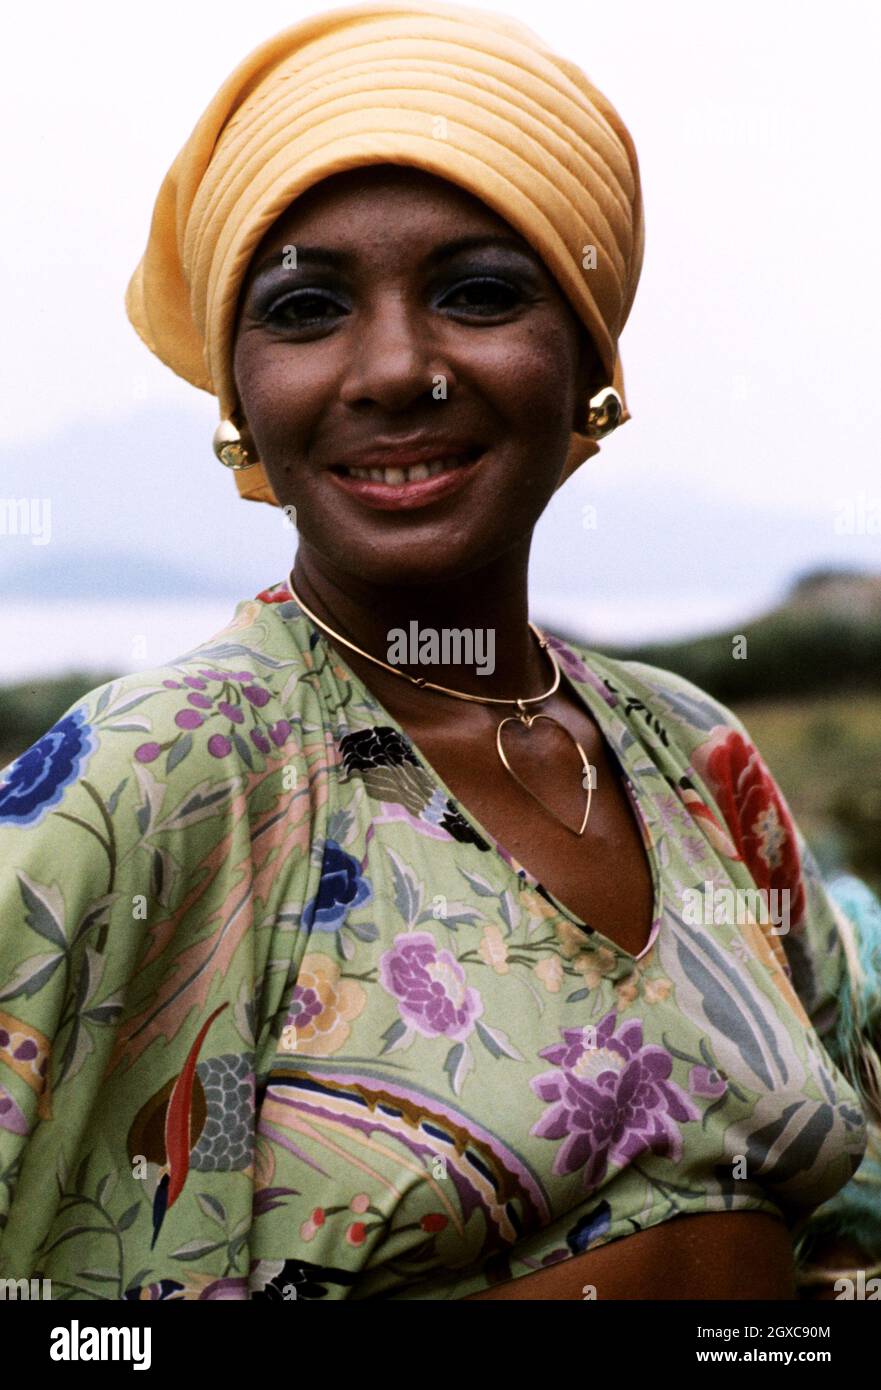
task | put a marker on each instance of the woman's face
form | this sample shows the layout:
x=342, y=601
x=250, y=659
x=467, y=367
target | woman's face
x=396, y=330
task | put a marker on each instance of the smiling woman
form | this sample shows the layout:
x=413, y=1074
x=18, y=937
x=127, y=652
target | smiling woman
x=337, y=965
x=447, y=348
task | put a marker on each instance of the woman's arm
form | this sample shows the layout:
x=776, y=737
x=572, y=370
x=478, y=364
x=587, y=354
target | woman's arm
x=135, y=882
x=840, y=1245
x=832, y=950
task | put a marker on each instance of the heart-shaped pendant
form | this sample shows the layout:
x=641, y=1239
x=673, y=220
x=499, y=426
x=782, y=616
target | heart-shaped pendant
x=528, y=720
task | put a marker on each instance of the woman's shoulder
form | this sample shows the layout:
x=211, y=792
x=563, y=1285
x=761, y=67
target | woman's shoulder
x=681, y=699
x=227, y=707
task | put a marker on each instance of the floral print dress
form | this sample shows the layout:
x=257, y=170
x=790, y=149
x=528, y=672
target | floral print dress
x=280, y=1019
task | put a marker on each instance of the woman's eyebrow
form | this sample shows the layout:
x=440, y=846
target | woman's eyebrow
x=323, y=255
x=480, y=241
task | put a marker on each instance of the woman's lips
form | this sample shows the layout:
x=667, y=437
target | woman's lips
x=405, y=496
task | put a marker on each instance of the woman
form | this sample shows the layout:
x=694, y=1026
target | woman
x=329, y=969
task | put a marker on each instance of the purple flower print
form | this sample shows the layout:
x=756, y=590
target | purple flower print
x=12, y=1117
x=305, y=1005
x=611, y=1102
x=575, y=668
x=671, y=812
x=703, y=1081
x=188, y=719
x=571, y=663
x=256, y=694
x=204, y=706
x=429, y=985
x=694, y=849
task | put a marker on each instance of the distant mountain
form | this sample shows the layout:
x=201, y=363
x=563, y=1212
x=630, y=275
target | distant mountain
x=824, y=636
x=42, y=573
x=849, y=594
x=139, y=508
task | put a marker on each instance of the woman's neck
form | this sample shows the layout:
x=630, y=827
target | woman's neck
x=471, y=633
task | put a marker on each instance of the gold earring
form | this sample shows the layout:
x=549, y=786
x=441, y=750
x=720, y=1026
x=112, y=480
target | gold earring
x=228, y=446
x=604, y=413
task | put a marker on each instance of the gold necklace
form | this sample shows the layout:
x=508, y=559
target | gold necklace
x=521, y=716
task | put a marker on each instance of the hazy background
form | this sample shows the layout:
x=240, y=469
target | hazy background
x=752, y=361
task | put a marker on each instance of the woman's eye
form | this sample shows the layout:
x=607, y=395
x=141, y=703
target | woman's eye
x=486, y=292
x=293, y=310
x=484, y=296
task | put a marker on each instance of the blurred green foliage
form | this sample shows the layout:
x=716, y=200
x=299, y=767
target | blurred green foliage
x=29, y=709
x=787, y=654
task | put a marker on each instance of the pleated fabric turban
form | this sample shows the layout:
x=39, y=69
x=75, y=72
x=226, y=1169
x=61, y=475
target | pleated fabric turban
x=523, y=129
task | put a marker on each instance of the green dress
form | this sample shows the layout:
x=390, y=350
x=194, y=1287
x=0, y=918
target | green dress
x=280, y=1019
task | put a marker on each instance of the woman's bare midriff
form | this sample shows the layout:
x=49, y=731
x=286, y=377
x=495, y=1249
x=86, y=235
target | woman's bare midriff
x=712, y=1255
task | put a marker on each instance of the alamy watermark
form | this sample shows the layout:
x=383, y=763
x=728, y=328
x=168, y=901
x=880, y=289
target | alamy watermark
x=714, y=906
x=451, y=646
x=26, y=1289
x=858, y=515
x=860, y=1288
x=27, y=516
x=76, y=1343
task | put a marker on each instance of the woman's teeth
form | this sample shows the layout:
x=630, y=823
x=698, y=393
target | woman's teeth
x=415, y=473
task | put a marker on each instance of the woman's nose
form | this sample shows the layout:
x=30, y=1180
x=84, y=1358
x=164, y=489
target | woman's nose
x=394, y=355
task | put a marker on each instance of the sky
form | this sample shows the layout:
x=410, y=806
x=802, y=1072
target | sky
x=751, y=358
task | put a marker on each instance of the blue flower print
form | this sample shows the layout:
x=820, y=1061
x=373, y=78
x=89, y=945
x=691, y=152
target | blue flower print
x=36, y=781
x=342, y=887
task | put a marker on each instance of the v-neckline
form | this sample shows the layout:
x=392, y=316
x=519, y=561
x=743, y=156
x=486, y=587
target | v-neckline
x=611, y=726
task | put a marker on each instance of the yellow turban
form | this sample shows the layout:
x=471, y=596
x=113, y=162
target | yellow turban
x=471, y=96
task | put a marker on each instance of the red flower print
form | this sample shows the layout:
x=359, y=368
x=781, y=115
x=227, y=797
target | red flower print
x=433, y=1221
x=755, y=811
x=275, y=594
